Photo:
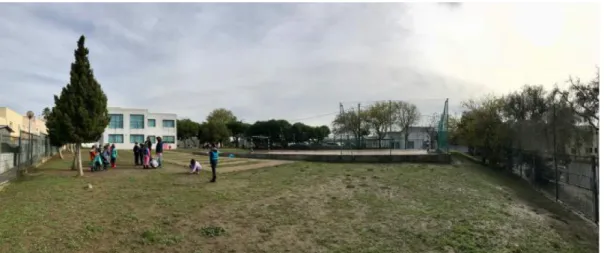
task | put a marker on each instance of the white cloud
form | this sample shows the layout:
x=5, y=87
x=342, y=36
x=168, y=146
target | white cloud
x=292, y=61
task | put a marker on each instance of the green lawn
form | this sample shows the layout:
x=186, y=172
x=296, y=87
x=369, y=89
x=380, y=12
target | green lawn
x=297, y=207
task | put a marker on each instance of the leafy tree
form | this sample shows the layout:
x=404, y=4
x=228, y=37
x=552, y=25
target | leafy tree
x=45, y=113
x=237, y=129
x=221, y=115
x=380, y=117
x=406, y=114
x=584, y=98
x=278, y=131
x=55, y=123
x=353, y=122
x=320, y=133
x=187, y=128
x=80, y=113
x=213, y=132
x=301, y=132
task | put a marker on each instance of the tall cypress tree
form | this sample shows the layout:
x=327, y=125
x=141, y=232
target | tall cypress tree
x=80, y=113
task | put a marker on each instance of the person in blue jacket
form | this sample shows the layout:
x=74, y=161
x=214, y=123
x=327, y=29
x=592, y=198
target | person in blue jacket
x=213, y=162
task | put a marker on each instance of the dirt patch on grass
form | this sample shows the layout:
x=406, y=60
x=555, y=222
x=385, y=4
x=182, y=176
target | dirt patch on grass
x=256, y=164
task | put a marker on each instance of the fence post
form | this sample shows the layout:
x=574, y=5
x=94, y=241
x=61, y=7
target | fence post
x=554, y=153
x=533, y=177
x=18, y=156
x=594, y=186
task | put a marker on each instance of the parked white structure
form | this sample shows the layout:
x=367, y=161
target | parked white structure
x=128, y=126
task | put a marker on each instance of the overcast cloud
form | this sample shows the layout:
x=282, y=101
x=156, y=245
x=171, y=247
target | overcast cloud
x=293, y=61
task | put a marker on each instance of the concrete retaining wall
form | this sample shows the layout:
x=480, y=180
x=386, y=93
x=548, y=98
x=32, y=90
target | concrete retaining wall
x=423, y=158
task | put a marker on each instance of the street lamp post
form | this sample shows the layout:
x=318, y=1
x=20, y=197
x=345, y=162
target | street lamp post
x=30, y=115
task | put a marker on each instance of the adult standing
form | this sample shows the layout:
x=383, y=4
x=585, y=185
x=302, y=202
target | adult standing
x=159, y=150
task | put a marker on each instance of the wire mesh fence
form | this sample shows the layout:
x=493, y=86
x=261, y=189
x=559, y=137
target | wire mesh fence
x=548, y=144
x=23, y=150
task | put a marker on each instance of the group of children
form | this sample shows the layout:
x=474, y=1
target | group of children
x=102, y=158
x=142, y=153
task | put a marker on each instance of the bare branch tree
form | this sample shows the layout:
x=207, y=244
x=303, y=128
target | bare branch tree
x=407, y=114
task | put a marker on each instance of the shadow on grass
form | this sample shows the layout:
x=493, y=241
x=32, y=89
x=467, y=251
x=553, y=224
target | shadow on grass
x=560, y=217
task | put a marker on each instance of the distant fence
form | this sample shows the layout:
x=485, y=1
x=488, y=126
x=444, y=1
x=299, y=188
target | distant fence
x=25, y=150
x=570, y=179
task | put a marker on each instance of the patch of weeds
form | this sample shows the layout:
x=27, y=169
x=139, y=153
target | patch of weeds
x=72, y=244
x=156, y=236
x=91, y=229
x=266, y=230
x=212, y=231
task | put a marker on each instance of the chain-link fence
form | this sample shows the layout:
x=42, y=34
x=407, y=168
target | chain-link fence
x=23, y=150
x=548, y=144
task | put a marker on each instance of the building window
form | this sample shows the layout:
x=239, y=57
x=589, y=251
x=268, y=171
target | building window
x=168, y=139
x=573, y=151
x=116, y=121
x=168, y=123
x=137, y=138
x=588, y=150
x=153, y=140
x=116, y=138
x=151, y=122
x=137, y=121
x=596, y=150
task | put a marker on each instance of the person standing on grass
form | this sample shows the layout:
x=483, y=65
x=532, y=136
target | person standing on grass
x=213, y=162
x=136, y=152
x=113, y=155
x=146, y=156
x=159, y=150
x=149, y=145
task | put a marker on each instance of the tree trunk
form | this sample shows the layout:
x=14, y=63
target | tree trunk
x=73, y=162
x=61, y=153
x=78, y=156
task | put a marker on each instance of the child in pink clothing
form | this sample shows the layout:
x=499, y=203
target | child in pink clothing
x=146, y=157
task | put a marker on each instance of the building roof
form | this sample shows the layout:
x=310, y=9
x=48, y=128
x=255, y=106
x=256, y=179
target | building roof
x=10, y=130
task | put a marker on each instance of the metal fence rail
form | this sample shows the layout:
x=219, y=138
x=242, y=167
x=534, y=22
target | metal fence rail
x=24, y=150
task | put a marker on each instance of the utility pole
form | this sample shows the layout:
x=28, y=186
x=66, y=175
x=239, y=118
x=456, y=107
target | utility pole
x=555, y=149
x=390, y=127
x=359, y=125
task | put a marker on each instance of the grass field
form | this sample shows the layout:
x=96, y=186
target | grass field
x=294, y=207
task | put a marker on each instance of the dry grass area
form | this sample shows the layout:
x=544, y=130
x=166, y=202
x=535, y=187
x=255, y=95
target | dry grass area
x=295, y=207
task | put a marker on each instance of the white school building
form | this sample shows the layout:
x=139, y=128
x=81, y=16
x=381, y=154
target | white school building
x=128, y=126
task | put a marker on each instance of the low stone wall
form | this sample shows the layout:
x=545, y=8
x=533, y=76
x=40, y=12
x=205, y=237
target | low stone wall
x=411, y=158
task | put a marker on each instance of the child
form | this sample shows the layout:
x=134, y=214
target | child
x=195, y=167
x=105, y=156
x=141, y=155
x=146, y=156
x=213, y=162
x=92, y=153
x=113, y=155
x=97, y=162
x=136, y=152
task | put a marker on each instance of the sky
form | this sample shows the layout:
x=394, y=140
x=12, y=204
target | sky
x=294, y=61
